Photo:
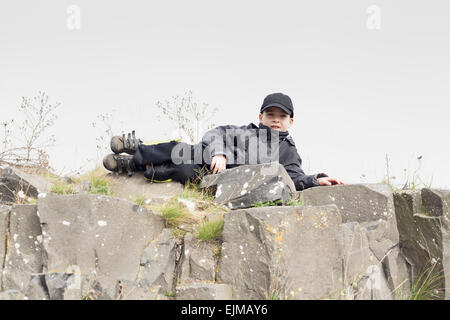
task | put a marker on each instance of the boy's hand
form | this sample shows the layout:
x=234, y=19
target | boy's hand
x=327, y=181
x=218, y=163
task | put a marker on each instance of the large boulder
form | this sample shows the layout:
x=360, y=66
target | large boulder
x=24, y=251
x=103, y=238
x=282, y=253
x=243, y=186
x=424, y=237
x=372, y=207
x=137, y=186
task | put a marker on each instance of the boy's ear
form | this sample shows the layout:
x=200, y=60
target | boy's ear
x=260, y=117
x=291, y=122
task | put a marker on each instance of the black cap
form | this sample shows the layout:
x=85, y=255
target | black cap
x=279, y=100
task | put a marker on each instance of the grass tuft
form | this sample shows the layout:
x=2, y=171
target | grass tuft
x=192, y=190
x=99, y=182
x=210, y=230
x=60, y=187
x=267, y=203
x=428, y=285
x=174, y=214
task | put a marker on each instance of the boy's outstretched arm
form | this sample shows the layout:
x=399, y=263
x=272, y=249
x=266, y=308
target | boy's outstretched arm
x=303, y=181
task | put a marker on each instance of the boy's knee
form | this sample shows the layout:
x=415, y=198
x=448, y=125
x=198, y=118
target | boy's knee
x=186, y=172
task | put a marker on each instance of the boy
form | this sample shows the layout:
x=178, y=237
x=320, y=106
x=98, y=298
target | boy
x=217, y=149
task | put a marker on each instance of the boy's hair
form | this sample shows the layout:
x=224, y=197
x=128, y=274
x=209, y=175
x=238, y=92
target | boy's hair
x=279, y=100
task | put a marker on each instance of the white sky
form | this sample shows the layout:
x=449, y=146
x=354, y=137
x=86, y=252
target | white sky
x=358, y=93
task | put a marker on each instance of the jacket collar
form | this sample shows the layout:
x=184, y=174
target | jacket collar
x=282, y=135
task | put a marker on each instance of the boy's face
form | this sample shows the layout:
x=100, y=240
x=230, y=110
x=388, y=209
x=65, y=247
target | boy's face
x=276, y=119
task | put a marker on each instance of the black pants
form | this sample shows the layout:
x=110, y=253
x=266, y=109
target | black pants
x=160, y=155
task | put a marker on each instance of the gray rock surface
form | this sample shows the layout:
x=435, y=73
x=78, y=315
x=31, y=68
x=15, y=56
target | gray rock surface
x=158, y=262
x=12, y=180
x=198, y=261
x=424, y=237
x=54, y=286
x=102, y=237
x=138, y=186
x=12, y=295
x=282, y=252
x=245, y=185
x=24, y=252
x=37, y=288
x=372, y=206
x=359, y=202
x=204, y=291
x=373, y=285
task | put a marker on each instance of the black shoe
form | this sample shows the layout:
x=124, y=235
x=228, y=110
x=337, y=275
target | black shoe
x=127, y=144
x=159, y=173
x=119, y=163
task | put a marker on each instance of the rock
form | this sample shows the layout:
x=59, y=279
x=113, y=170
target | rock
x=356, y=253
x=63, y=286
x=54, y=286
x=373, y=285
x=282, y=252
x=359, y=202
x=198, y=261
x=12, y=295
x=24, y=252
x=37, y=288
x=13, y=180
x=397, y=273
x=437, y=204
x=204, y=291
x=138, y=186
x=159, y=262
x=102, y=237
x=424, y=237
x=243, y=186
x=372, y=206
x=97, y=292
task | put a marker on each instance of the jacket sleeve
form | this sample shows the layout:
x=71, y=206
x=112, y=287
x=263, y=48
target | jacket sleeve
x=301, y=180
x=214, y=141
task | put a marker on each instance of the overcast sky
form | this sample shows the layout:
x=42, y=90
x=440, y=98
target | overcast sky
x=367, y=78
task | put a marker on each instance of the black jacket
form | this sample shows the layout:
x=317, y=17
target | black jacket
x=217, y=141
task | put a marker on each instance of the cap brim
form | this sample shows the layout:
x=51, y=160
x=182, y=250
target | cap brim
x=277, y=105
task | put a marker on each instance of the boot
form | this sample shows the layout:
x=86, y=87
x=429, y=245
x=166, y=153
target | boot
x=127, y=144
x=119, y=163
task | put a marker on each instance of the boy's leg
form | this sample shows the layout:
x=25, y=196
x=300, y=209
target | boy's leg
x=157, y=154
x=180, y=173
